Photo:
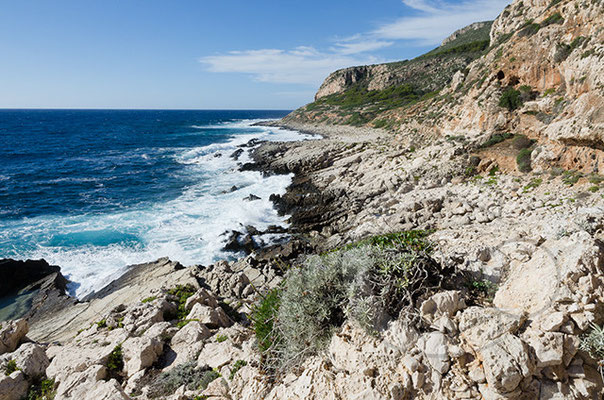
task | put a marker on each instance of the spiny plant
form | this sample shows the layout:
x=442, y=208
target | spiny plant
x=181, y=294
x=368, y=282
x=187, y=374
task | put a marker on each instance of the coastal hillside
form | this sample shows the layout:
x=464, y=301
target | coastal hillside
x=445, y=240
x=538, y=73
x=358, y=95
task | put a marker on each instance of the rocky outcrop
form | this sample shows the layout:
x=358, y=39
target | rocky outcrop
x=472, y=27
x=11, y=334
x=429, y=72
x=32, y=288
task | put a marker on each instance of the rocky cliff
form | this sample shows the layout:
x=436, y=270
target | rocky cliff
x=457, y=253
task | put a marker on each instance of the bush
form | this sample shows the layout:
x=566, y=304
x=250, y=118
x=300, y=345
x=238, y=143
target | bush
x=236, y=367
x=263, y=317
x=182, y=293
x=593, y=343
x=510, y=99
x=42, y=390
x=523, y=160
x=368, y=283
x=115, y=363
x=553, y=19
x=534, y=183
x=529, y=29
x=522, y=142
x=10, y=367
x=184, y=374
x=496, y=138
x=571, y=177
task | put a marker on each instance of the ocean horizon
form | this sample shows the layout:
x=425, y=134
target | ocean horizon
x=94, y=190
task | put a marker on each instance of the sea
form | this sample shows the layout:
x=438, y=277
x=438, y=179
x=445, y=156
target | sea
x=94, y=191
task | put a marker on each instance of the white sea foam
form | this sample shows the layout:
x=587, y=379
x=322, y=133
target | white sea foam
x=92, y=250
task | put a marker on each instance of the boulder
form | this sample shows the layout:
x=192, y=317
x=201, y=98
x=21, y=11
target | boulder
x=548, y=348
x=11, y=334
x=435, y=349
x=203, y=297
x=217, y=355
x=212, y=317
x=506, y=363
x=480, y=326
x=14, y=386
x=110, y=390
x=188, y=341
x=16, y=275
x=31, y=359
x=77, y=384
x=442, y=304
x=140, y=353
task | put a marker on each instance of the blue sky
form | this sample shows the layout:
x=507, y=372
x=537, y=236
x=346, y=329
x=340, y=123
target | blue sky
x=199, y=54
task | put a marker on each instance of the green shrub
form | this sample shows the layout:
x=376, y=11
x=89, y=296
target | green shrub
x=571, y=177
x=10, y=367
x=186, y=374
x=366, y=283
x=529, y=29
x=149, y=299
x=496, y=138
x=523, y=160
x=182, y=293
x=208, y=377
x=510, y=99
x=412, y=240
x=522, y=142
x=593, y=343
x=381, y=123
x=115, y=363
x=263, y=317
x=236, y=367
x=221, y=338
x=102, y=324
x=555, y=18
x=42, y=390
x=534, y=183
x=596, y=179
x=482, y=288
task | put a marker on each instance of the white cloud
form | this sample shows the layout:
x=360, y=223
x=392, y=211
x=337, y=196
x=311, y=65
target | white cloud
x=433, y=20
x=361, y=46
x=436, y=20
x=303, y=65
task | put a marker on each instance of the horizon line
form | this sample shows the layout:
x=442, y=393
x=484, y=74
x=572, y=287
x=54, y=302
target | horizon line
x=138, y=109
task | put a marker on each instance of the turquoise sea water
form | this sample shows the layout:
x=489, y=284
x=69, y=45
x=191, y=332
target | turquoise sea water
x=94, y=191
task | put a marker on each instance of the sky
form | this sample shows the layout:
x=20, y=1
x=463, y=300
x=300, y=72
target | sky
x=202, y=54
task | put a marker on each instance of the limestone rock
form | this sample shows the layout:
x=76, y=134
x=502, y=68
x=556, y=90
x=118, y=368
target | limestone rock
x=548, y=348
x=442, y=304
x=212, y=317
x=140, y=353
x=31, y=359
x=435, y=349
x=11, y=334
x=13, y=387
x=506, y=363
x=188, y=341
x=203, y=297
x=480, y=326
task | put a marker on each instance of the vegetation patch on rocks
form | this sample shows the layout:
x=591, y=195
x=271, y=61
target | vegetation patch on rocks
x=368, y=282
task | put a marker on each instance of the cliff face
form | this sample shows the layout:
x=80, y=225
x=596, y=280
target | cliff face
x=547, y=56
x=553, y=52
x=430, y=72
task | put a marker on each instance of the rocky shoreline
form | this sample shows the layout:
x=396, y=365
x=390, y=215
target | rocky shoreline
x=449, y=260
x=342, y=181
